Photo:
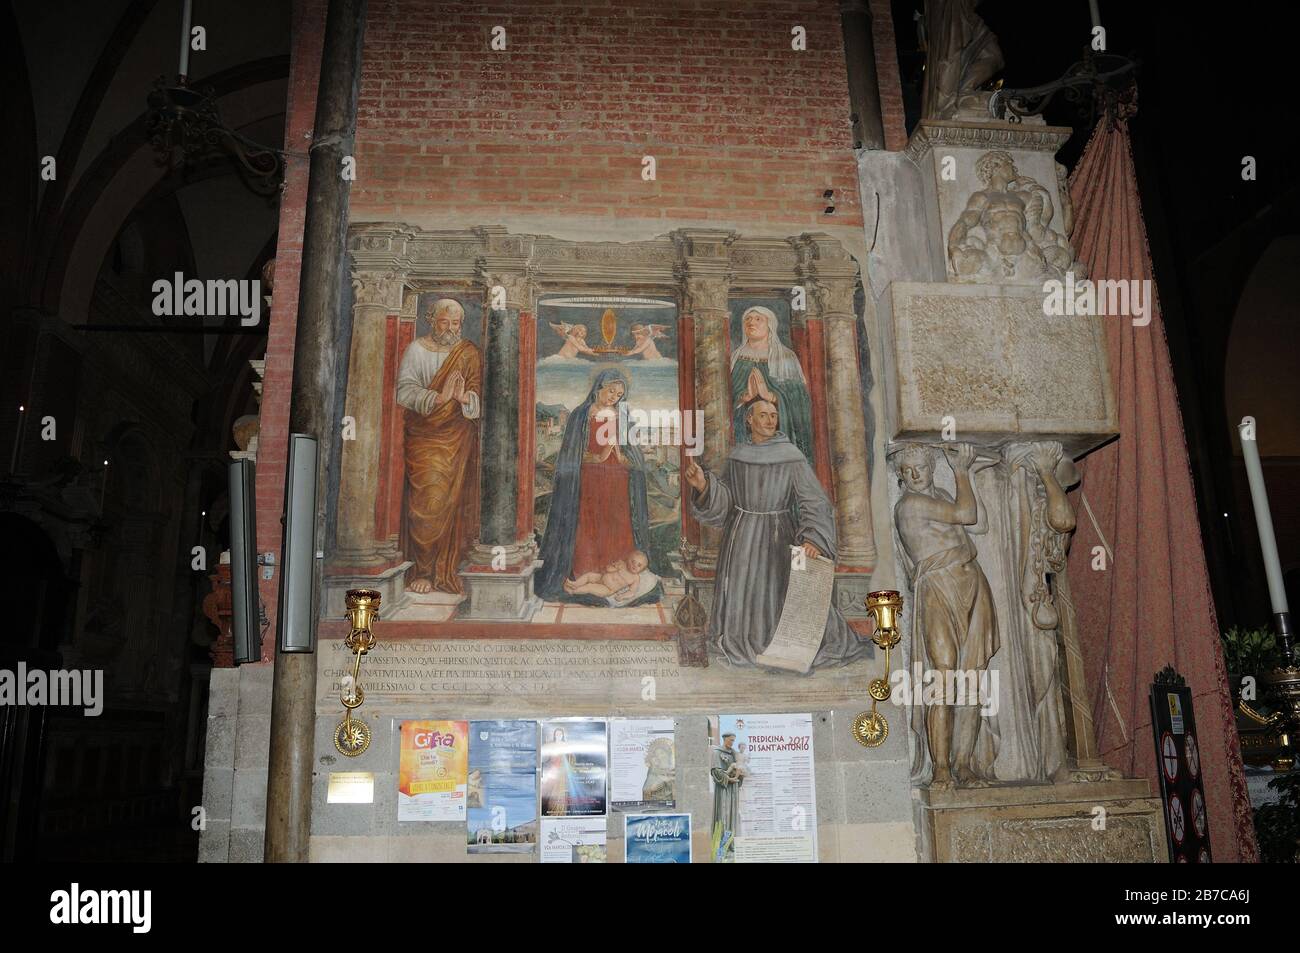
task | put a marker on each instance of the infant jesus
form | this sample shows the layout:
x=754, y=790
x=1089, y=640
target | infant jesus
x=618, y=583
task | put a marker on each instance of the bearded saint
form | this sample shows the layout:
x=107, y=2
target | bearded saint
x=438, y=384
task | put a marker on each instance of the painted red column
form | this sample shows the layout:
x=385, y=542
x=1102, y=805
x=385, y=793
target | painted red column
x=810, y=347
x=527, y=424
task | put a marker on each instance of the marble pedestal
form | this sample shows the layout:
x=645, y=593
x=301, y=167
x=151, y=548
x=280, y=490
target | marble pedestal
x=502, y=596
x=391, y=584
x=1048, y=823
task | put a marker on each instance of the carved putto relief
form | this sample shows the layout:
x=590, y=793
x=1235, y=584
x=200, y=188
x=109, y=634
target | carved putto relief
x=1006, y=232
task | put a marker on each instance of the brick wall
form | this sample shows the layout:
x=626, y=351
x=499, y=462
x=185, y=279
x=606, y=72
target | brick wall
x=743, y=128
x=300, y=112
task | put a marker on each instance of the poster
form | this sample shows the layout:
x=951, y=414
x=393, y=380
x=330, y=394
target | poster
x=657, y=838
x=574, y=767
x=764, y=794
x=573, y=840
x=431, y=771
x=642, y=764
x=501, y=794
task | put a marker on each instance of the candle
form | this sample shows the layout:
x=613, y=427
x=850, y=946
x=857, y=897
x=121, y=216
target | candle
x=1092, y=8
x=18, y=439
x=1264, y=521
x=186, y=19
x=102, y=486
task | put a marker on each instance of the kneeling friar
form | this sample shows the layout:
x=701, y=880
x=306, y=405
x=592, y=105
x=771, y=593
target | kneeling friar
x=768, y=501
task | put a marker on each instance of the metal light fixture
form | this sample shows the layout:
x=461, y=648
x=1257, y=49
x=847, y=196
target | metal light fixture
x=871, y=728
x=1098, y=81
x=185, y=127
x=352, y=738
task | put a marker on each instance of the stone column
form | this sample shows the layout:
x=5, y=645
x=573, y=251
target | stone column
x=498, y=569
x=499, y=445
x=376, y=295
x=832, y=299
x=707, y=270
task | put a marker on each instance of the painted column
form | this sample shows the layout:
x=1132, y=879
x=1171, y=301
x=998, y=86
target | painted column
x=833, y=299
x=706, y=295
x=499, y=443
x=809, y=339
x=527, y=455
x=498, y=569
x=359, y=541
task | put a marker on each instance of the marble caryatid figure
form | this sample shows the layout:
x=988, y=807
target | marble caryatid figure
x=1044, y=522
x=438, y=383
x=954, y=623
x=1005, y=232
x=962, y=54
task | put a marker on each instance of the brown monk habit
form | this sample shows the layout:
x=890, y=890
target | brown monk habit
x=441, y=451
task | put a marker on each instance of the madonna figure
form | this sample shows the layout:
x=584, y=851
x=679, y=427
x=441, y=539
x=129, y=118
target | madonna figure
x=599, y=515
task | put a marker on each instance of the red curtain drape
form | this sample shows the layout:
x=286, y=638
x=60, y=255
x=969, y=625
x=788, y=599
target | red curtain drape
x=1151, y=606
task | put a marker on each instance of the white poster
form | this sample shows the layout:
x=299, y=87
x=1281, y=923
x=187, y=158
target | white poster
x=764, y=794
x=642, y=764
x=573, y=840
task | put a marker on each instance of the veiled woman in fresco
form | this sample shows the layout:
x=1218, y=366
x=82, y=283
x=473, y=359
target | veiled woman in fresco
x=599, y=514
x=764, y=367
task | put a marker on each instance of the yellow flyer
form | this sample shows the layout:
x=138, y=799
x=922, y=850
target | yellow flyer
x=432, y=772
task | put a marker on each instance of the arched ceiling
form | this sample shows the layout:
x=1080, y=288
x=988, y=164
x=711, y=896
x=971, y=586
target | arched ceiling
x=1260, y=375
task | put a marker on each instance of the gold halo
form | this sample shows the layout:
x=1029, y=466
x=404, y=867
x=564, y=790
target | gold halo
x=870, y=729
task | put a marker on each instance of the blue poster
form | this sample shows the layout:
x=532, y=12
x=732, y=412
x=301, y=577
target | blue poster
x=502, y=791
x=657, y=838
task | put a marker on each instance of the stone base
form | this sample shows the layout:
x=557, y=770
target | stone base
x=391, y=584
x=850, y=594
x=505, y=596
x=1048, y=823
x=985, y=360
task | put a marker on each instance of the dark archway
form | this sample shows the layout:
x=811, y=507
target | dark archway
x=35, y=593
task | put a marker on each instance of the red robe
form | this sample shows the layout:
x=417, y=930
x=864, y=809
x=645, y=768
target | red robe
x=604, y=511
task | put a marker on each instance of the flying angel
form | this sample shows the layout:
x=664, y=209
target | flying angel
x=575, y=339
x=645, y=335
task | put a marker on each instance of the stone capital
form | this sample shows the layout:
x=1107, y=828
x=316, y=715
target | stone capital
x=707, y=291
x=519, y=284
x=832, y=299
x=377, y=289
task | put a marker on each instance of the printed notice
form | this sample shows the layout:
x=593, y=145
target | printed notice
x=764, y=793
x=573, y=840
x=502, y=795
x=657, y=838
x=575, y=762
x=642, y=764
x=431, y=772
